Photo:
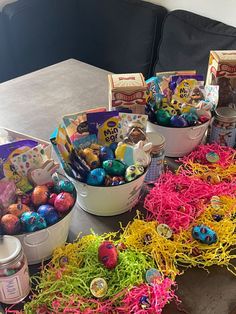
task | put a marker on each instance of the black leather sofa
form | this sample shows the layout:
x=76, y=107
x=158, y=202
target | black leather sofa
x=116, y=35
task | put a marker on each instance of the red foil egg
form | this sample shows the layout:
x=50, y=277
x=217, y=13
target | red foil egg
x=108, y=254
x=10, y=224
x=52, y=198
x=63, y=202
x=40, y=195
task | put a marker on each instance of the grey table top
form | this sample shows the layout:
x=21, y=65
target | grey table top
x=35, y=103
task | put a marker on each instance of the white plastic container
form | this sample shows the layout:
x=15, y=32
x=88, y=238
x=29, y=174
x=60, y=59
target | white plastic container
x=110, y=200
x=180, y=141
x=39, y=245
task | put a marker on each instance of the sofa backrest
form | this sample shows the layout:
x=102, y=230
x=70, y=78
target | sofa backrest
x=116, y=35
x=119, y=35
x=187, y=39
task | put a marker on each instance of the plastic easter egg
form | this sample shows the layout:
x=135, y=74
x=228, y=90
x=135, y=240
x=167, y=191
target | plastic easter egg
x=108, y=254
x=52, y=198
x=153, y=276
x=18, y=209
x=63, y=261
x=49, y=213
x=32, y=222
x=63, y=202
x=113, y=146
x=164, y=231
x=10, y=224
x=204, y=234
x=96, y=177
x=66, y=186
x=133, y=172
x=114, y=167
x=40, y=195
x=216, y=202
x=212, y=157
x=144, y=302
x=106, y=153
x=163, y=117
x=178, y=121
x=98, y=287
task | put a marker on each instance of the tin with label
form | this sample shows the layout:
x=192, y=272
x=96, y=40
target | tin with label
x=14, y=274
x=223, y=129
x=156, y=167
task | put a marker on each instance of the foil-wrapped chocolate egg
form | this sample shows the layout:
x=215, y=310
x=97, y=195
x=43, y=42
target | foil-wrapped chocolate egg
x=117, y=181
x=18, y=209
x=49, y=213
x=40, y=195
x=63, y=202
x=133, y=172
x=178, y=121
x=52, y=198
x=96, y=177
x=32, y=222
x=113, y=146
x=66, y=186
x=108, y=254
x=106, y=153
x=163, y=117
x=10, y=224
x=98, y=287
x=114, y=167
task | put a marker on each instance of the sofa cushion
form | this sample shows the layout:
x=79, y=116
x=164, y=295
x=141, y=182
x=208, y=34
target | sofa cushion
x=6, y=60
x=34, y=32
x=119, y=35
x=187, y=39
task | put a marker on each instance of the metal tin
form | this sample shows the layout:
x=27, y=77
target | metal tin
x=156, y=167
x=14, y=274
x=223, y=129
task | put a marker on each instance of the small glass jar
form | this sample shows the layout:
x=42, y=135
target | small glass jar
x=14, y=274
x=223, y=128
x=156, y=167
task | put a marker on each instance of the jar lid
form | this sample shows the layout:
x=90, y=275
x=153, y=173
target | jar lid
x=157, y=140
x=10, y=247
x=226, y=114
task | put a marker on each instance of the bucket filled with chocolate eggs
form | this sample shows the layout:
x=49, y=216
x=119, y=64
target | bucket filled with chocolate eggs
x=106, y=157
x=180, y=107
x=35, y=204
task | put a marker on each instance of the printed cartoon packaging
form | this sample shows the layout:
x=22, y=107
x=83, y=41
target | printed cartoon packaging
x=127, y=92
x=222, y=72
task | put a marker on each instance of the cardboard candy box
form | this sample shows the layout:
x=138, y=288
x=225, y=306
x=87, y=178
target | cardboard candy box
x=222, y=72
x=127, y=92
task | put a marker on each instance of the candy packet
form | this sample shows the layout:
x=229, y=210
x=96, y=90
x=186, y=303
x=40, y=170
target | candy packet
x=76, y=125
x=132, y=127
x=104, y=125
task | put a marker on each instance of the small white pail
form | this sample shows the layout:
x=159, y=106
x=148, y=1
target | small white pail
x=180, y=141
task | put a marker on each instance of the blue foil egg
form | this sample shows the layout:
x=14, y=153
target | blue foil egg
x=178, y=121
x=106, y=153
x=32, y=222
x=204, y=234
x=113, y=146
x=66, y=186
x=49, y=213
x=96, y=177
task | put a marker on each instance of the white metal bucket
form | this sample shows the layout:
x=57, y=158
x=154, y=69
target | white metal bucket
x=110, y=200
x=39, y=245
x=180, y=141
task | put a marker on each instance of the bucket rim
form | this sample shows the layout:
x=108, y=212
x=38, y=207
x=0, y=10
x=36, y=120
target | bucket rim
x=109, y=186
x=184, y=128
